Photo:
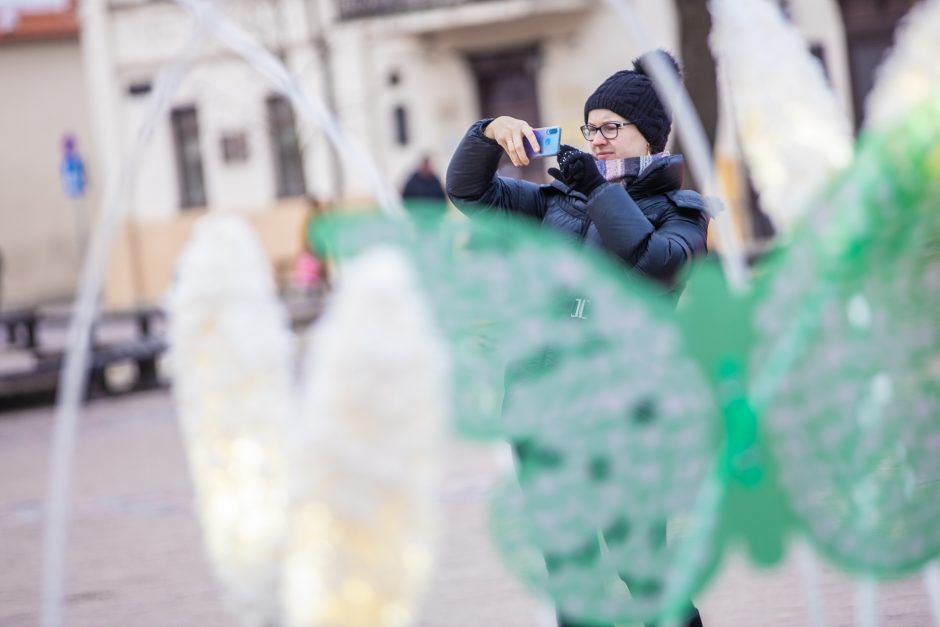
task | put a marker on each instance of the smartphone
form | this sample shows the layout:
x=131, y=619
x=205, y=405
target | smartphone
x=549, y=138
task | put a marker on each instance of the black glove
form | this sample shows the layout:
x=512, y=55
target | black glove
x=578, y=170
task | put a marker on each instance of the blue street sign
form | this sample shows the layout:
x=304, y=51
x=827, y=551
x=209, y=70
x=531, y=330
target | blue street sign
x=72, y=171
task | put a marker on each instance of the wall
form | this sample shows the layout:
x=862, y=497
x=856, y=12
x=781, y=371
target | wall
x=581, y=43
x=230, y=97
x=38, y=228
x=425, y=50
x=436, y=86
x=146, y=251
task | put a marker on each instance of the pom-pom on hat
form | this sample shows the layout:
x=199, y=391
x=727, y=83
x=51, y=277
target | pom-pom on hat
x=631, y=93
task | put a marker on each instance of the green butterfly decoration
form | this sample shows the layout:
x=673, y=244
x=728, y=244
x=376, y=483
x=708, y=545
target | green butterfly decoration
x=648, y=440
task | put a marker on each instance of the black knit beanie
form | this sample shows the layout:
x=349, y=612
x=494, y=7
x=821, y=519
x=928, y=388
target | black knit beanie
x=630, y=93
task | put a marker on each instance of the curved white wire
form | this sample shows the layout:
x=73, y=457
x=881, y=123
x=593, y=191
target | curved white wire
x=866, y=603
x=689, y=126
x=76, y=362
x=816, y=607
x=932, y=584
x=273, y=69
x=84, y=310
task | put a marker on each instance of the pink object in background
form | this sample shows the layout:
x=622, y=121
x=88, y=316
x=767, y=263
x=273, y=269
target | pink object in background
x=306, y=270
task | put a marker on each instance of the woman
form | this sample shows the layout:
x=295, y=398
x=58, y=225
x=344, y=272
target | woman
x=625, y=197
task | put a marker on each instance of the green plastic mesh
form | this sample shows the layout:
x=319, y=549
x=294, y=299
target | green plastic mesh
x=613, y=427
x=855, y=418
x=647, y=440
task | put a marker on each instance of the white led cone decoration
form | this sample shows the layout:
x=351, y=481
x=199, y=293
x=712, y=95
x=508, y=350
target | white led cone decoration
x=231, y=353
x=910, y=76
x=365, y=450
x=793, y=132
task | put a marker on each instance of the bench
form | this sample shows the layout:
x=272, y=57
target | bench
x=35, y=373
x=21, y=326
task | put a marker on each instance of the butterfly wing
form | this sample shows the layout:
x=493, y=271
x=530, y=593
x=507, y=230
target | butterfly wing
x=612, y=425
x=851, y=358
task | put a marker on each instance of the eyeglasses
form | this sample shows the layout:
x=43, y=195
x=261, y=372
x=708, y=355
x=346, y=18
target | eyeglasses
x=608, y=129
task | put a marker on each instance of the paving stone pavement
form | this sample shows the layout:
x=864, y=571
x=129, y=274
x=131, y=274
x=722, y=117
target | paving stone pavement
x=135, y=556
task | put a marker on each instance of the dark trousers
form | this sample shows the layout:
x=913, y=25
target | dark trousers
x=526, y=452
x=523, y=453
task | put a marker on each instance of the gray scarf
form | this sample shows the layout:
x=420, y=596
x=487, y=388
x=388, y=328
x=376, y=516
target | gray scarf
x=627, y=171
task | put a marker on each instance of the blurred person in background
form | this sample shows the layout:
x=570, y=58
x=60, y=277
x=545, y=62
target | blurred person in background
x=423, y=193
x=310, y=275
x=623, y=197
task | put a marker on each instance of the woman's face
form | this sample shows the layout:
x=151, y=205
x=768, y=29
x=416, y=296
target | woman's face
x=629, y=142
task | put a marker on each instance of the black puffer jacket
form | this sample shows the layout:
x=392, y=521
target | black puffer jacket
x=655, y=229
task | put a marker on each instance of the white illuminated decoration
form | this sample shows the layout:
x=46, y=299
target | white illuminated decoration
x=911, y=74
x=363, y=515
x=793, y=132
x=318, y=509
x=231, y=361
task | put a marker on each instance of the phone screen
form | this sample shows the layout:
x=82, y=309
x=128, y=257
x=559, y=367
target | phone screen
x=549, y=138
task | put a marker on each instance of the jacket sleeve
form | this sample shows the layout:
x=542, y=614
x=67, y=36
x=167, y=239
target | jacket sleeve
x=474, y=187
x=658, y=253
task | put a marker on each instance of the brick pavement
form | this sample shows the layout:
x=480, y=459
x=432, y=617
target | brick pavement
x=135, y=555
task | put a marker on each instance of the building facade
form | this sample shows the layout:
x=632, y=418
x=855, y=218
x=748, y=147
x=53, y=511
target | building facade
x=43, y=101
x=404, y=78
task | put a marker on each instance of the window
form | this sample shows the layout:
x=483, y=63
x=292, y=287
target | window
x=192, y=188
x=235, y=147
x=140, y=88
x=288, y=164
x=401, y=126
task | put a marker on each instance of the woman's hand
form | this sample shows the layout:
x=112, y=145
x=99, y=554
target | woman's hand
x=578, y=170
x=509, y=133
